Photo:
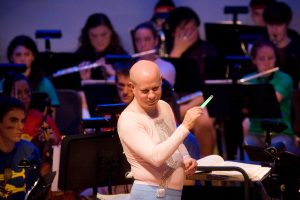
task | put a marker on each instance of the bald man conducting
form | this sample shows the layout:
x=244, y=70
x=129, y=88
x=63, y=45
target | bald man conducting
x=151, y=141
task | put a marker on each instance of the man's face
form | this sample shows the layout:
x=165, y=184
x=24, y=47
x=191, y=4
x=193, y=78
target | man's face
x=124, y=88
x=277, y=32
x=187, y=28
x=147, y=92
x=11, y=127
x=257, y=16
x=100, y=37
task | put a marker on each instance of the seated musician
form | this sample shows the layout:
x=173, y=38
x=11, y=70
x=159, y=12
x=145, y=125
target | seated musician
x=15, y=181
x=98, y=38
x=39, y=127
x=23, y=50
x=145, y=38
x=264, y=56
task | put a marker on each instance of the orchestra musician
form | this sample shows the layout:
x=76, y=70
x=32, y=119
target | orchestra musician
x=160, y=15
x=257, y=8
x=265, y=57
x=23, y=50
x=39, y=128
x=278, y=16
x=14, y=180
x=97, y=39
x=183, y=24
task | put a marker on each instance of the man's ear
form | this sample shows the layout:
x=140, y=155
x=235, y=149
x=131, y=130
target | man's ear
x=131, y=85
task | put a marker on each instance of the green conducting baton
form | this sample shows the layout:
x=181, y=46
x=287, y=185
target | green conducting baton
x=203, y=105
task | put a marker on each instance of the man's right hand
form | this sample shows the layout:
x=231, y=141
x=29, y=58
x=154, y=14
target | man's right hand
x=190, y=117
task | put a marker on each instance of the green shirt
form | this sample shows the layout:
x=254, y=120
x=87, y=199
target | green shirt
x=282, y=84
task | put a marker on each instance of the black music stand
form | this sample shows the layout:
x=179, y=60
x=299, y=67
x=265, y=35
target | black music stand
x=46, y=35
x=107, y=122
x=284, y=180
x=99, y=92
x=5, y=68
x=233, y=102
x=284, y=183
x=52, y=62
x=91, y=161
x=228, y=67
x=188, y=78
x=204, y=175
x=41, y=188
x=113, y=109
x=233, y=39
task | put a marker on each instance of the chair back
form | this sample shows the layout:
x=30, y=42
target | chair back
x=68, y=114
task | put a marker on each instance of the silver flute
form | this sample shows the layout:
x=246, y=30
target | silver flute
x=243, y=80
x=74, y=69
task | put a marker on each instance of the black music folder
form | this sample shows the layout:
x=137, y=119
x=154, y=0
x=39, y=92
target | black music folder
x=92, y=161
x=187, y=75
x=251, y=100
x=99, y=92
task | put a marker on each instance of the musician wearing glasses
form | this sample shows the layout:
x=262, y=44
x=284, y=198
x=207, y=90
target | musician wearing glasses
x=265, y=57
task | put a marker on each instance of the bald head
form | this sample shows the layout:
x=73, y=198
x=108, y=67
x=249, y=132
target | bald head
x=146, y=82
x=144, y=70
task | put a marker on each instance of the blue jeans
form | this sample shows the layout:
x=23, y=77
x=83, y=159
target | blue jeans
x=148, y=192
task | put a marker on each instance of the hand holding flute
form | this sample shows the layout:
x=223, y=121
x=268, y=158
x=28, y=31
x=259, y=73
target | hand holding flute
x=85, y=74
